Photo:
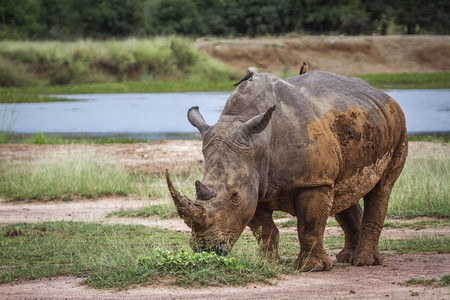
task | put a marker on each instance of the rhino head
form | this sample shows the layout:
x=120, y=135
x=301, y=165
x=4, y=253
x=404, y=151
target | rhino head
x=226, y=200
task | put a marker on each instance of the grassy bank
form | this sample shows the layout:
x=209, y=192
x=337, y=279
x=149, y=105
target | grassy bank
x=200, y=84
x=88, y=61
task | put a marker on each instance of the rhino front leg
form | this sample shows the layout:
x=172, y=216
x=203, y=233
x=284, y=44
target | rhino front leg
x=266, y=232
x=350, y=221
x=313, y=207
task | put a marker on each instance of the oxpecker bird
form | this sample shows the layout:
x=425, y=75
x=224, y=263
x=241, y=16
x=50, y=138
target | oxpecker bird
x=246, y=77
x=303, y=68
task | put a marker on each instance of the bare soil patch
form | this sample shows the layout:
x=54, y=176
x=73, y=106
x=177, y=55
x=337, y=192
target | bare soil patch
x=338, y=54
x=387, y=281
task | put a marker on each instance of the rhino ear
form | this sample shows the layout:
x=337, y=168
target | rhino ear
x=196, y=119
x=257, y=124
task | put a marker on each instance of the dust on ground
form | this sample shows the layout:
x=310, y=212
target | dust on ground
x=343, y=281
x=338, y=54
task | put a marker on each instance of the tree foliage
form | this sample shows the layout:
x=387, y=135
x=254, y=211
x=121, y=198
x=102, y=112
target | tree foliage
x=72, y=19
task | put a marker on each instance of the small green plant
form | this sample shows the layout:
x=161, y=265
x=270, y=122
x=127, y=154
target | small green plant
x=38, y=139
x=186, y=261
x=445, y=280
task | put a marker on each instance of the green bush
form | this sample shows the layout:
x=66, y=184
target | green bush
x=87, y=61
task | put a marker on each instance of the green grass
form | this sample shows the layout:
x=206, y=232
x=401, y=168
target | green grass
x=436, y=243
x=444, y=281
x=433, y=138
x=424, y=282
x=119, y=256
x=65, y=174
x=164, y=211
x=418, y=224
x=422, y=189
x=437, y=80
x=61, y=177
x=38, y=93
x=27, y=63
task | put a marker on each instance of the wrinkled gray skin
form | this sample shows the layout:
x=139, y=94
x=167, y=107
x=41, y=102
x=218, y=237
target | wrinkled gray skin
x=312, y=146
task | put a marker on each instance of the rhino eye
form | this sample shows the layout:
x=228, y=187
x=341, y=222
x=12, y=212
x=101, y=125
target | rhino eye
x=234, y=194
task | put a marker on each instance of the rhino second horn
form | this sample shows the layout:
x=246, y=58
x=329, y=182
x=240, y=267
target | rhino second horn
x=203, y=192
x=188, y=210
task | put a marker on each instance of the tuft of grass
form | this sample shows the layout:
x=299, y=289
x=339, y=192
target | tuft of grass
x=424, y=282
x=55, y=178
x=422, y=189
x=423, y=244
x=418, y=224
x=444, y=281
x=164, y=211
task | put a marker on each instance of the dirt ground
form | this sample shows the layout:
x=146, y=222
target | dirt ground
x=339, y=54
x=342, y=282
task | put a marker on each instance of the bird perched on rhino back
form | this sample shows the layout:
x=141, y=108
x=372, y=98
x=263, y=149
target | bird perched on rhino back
x=303, y=68
x=251, y=71
x=248, y=76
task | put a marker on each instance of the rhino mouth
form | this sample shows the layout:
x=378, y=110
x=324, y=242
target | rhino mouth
x=220, y=248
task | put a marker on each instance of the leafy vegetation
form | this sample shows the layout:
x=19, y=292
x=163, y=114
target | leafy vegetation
x=29, y=63
x=73, y=19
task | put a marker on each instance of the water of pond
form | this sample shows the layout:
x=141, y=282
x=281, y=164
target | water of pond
x=163, y=115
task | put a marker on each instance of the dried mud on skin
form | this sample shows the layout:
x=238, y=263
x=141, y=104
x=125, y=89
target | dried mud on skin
x=386, y=282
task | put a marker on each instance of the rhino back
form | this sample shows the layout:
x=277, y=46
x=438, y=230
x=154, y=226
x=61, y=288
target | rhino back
x=327, y=130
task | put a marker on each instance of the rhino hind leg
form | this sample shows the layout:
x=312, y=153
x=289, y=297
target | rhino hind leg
x=350, y=221
x=375, y=209
x=265, y=232
x=312, y=207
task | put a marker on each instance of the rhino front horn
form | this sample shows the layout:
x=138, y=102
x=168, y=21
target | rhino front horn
x=190, y=211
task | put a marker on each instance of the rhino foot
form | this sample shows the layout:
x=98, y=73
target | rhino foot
x=366, y=258
x=345, y=255
x=313, y=263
